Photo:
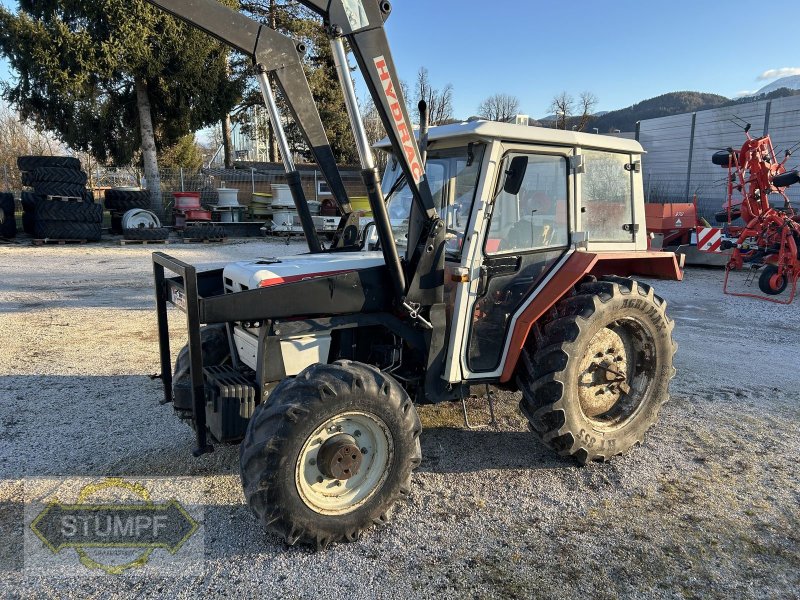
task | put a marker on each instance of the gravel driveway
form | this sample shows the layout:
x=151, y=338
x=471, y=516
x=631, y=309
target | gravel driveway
x=709, y=506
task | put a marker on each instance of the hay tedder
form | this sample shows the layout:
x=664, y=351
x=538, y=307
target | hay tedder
x=769, y=238
x=498, y=255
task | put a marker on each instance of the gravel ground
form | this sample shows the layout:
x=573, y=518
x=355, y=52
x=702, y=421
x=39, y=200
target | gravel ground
x=708, y=506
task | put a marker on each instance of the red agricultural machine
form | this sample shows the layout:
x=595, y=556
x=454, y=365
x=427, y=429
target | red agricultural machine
x=769, y=238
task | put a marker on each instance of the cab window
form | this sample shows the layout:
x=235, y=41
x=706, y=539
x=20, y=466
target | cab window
x=536, y=217
x=453, y=175
x=607, y=196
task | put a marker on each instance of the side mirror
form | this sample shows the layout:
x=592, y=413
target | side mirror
x=515, y=175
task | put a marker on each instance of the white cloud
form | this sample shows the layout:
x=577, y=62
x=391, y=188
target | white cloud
x=776, y=73
x=744, y=93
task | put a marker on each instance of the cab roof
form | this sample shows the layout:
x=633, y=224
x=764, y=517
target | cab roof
x=493, y=130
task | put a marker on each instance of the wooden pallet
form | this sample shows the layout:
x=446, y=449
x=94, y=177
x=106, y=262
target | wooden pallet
x=68, y=199
x=206, y=241
x=59, y=242
x=142, y=242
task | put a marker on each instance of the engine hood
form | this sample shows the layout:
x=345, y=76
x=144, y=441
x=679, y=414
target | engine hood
x=265, y=272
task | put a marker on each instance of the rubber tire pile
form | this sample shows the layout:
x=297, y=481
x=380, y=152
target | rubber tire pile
x=59, y=207
x=204, y=232
x=8, y=221
x=118, y=202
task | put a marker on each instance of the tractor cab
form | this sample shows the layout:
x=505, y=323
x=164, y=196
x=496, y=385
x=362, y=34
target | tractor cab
x=517, y=202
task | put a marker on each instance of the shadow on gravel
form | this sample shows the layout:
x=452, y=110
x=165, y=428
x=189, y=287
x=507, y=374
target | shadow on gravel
x=114, y=425
x=453, y=450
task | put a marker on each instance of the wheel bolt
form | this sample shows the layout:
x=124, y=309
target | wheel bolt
x=357, y=433
x=312, y=462
x=363, y=451
x=320, y=479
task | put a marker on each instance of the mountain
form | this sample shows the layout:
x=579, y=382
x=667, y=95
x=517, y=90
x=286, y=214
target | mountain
x=792, y=82
x=674, y=103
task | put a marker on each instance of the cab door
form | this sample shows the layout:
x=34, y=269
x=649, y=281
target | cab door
x=525, y=235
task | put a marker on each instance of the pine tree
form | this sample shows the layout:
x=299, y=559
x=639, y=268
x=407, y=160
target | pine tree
x=114, y=78
x=302, y=25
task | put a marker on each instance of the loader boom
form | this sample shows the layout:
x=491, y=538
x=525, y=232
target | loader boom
x=361, y=24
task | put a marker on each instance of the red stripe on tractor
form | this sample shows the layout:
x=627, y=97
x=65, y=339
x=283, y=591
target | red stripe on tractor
x=296, y=278
x=706, y=236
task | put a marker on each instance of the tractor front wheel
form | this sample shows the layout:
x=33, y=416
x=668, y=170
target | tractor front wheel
x=329, y=453
x=594, y=384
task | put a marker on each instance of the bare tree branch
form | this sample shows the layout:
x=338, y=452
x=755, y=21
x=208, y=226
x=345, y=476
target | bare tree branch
x=563, y=107
x=440, y=102
x=588, y=102
x=499, y=107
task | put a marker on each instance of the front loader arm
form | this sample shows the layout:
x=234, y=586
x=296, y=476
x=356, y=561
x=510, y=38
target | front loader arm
x=277, y=54
x=361, y=24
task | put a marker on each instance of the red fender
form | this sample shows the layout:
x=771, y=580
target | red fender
x=659, y=265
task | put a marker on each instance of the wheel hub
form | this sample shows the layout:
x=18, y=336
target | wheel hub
x=340, y=457
x=604, y=369
x=333, y=487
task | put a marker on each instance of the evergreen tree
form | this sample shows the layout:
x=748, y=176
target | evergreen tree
x=114, y=77
x=291, y=19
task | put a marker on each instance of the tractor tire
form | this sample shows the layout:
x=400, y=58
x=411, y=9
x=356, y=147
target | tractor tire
x=29, y=222
x=786, y=179
x=724, y=158
x=204, y=232
x=54, y=174
x=79, y=212
x=770, y=286
x=30, y=163
x=574, y=383
x=291, y=458
x=68, y=230
x=8, y=220
x=7, y=202
x=28, y=200
x=154, y=234
x=122, y=201
x=722, y=216
x=56, y=188
x=216, y=351
x=116, y=223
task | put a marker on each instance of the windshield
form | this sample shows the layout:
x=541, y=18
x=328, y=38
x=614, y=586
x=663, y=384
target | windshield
x=453, y=177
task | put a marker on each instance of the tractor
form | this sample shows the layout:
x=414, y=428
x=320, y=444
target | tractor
x=497, y=254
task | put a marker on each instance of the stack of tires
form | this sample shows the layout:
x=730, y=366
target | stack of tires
x=59, y=207
x=204, y=233
x=8, y=221
x=118, y=201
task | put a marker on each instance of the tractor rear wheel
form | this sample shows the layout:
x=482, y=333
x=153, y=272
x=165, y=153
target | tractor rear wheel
x=330, y=453
x=595, y=383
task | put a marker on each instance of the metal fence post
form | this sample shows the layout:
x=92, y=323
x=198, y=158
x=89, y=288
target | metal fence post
x=691, y=157
x=767, y=114
x=183, y=187
x=253, y=178
x=5, y=176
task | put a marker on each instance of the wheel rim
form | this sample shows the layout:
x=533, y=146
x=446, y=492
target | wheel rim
x=615, y=373
x=328, y=496
x=777, y=283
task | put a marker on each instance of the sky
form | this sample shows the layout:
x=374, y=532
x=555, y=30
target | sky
x=623, y=51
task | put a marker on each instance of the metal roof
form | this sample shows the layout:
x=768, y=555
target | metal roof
x=493, y=130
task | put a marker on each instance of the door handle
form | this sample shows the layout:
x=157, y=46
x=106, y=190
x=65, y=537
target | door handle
x=483, y=279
